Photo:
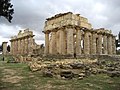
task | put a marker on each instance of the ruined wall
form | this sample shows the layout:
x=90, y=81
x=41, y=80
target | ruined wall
x=22, y=43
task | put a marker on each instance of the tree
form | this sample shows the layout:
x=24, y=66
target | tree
x=8, y=48
x=6, y=9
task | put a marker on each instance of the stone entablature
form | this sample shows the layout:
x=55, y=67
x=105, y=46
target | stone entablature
x=21, y=34
x=22, y=43
x=66, y=19
x=71, y=34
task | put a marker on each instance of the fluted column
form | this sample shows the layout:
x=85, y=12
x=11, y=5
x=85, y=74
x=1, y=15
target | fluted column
x=113, y=45
x=99, y=44
x=109, y=45
x=86, y=43
x=25, y=45
x=18, y=46
x=15, y=47
x=93, y=50
x=70, y=47
x=78, y=42
x=30, y=40
x=53, y=43
x=58, y=41
x=62, y=42
x=46, y=51
x=105, y=44
x=22, y=46
x=11, y=49
x=90, y=41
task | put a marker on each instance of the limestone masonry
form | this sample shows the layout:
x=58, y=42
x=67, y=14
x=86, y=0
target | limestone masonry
x=72, y=34
x=22, y=43
x=4, y=44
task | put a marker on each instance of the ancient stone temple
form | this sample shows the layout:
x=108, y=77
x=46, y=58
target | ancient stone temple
x=22, y=43
x=72, y=34
x=4, y=45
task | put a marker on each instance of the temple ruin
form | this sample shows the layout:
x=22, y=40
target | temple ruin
x=22, y=43
x=72, y=34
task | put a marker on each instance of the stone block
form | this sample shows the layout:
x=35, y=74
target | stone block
x=83, y=19
x=85, y=25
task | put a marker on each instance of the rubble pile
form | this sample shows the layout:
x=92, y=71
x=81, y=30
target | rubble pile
x=75, y=68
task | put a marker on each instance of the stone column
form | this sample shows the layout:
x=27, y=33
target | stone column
x=4, y=45
x=50, y=44
x=22, y=46
x=62, y=42
x=90, y=41
x=30, y=48
x=109, y=44
x=46, y=51
x=15, y=47
x=11, y=48
x=58, y=41
x=86, y=43
x=19, y=46
x=104, y=44
x=78, y=42
x=25, y=45
x=99, y=48
x=113, y=45
x=70, y=47
x=20, y=50
x=93, y=49
x=53, y=43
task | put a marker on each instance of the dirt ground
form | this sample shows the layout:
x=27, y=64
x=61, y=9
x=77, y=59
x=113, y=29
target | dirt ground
x=17, y=76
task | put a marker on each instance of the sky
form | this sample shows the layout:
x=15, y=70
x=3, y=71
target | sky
x=33, y=13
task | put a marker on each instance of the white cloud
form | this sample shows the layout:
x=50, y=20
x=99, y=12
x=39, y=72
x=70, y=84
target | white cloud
x=32, y=14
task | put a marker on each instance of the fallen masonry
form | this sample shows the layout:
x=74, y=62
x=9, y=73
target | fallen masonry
x=75, y=68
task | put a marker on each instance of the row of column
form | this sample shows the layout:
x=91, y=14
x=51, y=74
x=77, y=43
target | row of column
x=21, y=45
x=101, y=43
x=63, y=42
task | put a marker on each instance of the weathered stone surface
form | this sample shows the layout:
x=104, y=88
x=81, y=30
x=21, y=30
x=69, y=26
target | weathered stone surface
x=5, y=52
x=67, y=74
x=71, y=34
x=77, y=66
x=48, y=73
x=23, y=43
